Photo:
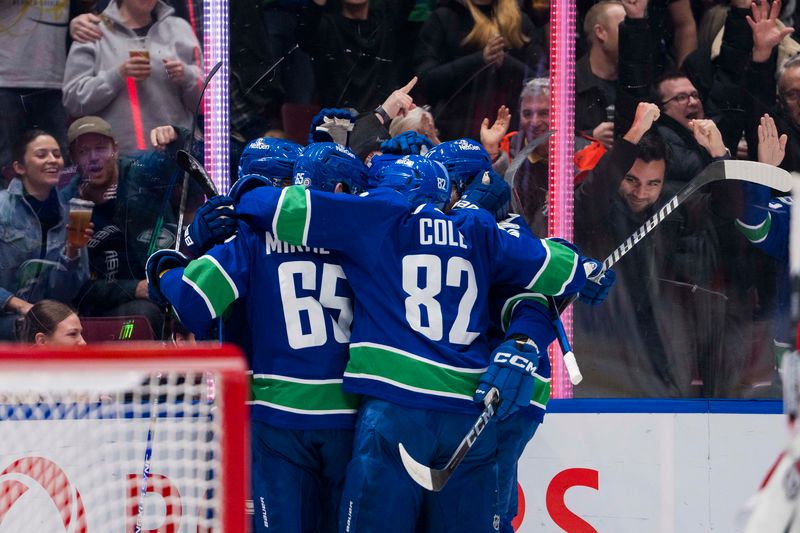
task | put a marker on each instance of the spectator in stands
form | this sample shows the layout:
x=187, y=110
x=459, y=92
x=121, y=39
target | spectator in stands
x=705, y=90
x=130, y=197
x=418, y=119
x=786, y=110
x=33, y=52
x=36, y=259
x=665, y=313
x=472, y=57
x=354, y=50
x=136, y=90
x=51, y=323
x=596, y=72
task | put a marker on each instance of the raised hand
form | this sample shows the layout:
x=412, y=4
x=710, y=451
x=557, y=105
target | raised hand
x=492, y=136
x=161, y=136
x=771, y=147
x=604, y=132
x=708, y=136
x=400, y=102
x=767, y=32
x=646, y=115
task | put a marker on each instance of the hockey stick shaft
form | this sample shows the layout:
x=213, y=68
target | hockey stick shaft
x=148, y=455
x=750, y=171
x=436, y=479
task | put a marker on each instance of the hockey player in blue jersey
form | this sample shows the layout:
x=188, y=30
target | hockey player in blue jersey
x=521, y=325
x=418, y=346
x=300, y=307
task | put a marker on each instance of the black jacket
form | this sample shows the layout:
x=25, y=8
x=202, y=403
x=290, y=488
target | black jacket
x=456, y=81
x=355, y=61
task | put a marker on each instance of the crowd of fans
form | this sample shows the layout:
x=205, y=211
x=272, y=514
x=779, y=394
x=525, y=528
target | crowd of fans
x=663, y=88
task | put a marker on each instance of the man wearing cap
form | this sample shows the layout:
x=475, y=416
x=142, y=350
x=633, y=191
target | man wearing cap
x=129, y=196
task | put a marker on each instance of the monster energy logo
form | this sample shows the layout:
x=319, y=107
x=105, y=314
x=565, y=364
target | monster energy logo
x=127, y=331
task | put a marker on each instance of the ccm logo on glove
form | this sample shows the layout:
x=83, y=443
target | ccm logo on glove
x=516, y=360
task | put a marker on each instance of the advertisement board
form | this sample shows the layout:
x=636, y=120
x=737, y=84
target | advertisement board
x=632, y=472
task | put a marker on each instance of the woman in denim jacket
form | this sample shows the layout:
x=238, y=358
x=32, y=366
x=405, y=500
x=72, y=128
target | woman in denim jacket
x=36, y=261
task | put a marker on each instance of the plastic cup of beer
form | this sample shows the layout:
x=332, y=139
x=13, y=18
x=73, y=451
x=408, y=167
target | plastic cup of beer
x=138, y=48
x=80, y=215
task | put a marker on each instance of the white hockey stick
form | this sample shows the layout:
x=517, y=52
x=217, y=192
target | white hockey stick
x=760, y=173
x=435, y=479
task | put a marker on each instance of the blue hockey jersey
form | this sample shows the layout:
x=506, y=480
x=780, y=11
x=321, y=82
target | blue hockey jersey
x=513, y=311
x=421, y=280
x=299, y=305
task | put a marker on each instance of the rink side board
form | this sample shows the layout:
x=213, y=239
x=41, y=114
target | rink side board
x=647, y=465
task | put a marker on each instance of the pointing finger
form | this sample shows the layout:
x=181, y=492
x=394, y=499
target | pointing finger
x=408, y=86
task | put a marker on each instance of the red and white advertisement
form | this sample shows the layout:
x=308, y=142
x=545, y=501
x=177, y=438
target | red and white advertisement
x=645, y=472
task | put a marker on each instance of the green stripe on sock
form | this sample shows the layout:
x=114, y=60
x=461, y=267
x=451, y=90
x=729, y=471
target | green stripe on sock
x=213, y=284
x=755, y=233
x=292, y=215
x=316, y=398
x=558, y=271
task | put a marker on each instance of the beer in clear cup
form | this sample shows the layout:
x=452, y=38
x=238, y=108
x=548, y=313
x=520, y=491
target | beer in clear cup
x=80, y=215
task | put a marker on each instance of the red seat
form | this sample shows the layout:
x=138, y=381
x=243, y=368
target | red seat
x=116, y=328
x=296, y=120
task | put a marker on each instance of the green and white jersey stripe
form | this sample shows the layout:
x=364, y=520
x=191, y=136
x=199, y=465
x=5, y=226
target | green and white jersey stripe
x=508, y=307
x=292, y=216
x=302, y=396
x=416, y=374
x=212, y=283
x=755, y=233
x=550, y=280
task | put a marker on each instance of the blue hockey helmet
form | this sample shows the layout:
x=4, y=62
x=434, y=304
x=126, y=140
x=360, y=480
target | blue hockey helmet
x=463, y=159
x=421, y=180
x=322, y=165
x=376, y=164
x=271, y=158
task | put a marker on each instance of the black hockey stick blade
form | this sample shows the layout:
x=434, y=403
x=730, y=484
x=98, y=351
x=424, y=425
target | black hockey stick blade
x=435, y=479
x=522, y=156
x=192, y=166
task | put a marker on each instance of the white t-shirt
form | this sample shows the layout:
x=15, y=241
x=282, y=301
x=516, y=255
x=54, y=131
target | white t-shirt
x=33, y=43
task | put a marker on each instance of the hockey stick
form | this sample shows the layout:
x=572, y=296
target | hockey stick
x=436, y=479
x=189, y=164
x=522, y=156
x=148, y=454
x=574, y=372
x=751, y=171
x=760, y=173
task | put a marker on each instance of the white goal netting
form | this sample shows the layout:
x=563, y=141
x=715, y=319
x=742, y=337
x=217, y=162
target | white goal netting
x=134, y=439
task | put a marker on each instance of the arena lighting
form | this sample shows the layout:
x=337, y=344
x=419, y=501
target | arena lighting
x=561, y=166
x=216, y=130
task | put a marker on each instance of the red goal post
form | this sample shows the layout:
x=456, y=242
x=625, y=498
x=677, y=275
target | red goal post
x=123, y=437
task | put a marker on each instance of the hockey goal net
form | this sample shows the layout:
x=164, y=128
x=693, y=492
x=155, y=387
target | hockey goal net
x=123, y=438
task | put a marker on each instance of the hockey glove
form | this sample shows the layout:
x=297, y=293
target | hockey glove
x=331, y=125
x=598, y=282
x=511, y=371
x=157, y=264
x=489, y=191
x=407, y=143
x=213, y=223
